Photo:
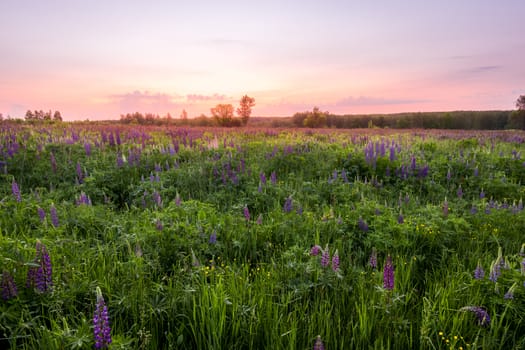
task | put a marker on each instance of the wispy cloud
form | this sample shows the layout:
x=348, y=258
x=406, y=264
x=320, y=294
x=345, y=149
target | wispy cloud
x=201, y=98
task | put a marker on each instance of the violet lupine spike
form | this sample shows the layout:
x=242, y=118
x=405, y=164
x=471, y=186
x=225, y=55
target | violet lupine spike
x=9, y=290
x=318, y=345
x=481, y=314
x=388, y=274
x=213, y=238
x=101, y=328
x=16, y=191
x=479, y=273
x=41, y=214
x=54, y=216
x=335, y=261
x=362, y=225
x=325, y=257
x=53, y=162
x=315, y=250
x=288, y=206
x=372, y=261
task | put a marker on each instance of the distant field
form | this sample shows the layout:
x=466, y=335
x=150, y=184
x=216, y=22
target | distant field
x=261, y=238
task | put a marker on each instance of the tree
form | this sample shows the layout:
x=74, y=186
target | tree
x=223, y=114
x=517, y=118
x=245, y=109
x=520, y=103
x=57, y=116
x=29, y=115
x=315, y=119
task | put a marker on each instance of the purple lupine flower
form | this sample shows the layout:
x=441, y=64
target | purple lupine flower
x=262, y=178
x=41, y=214
x=87, y=148
x=287, y=207
x=157, y=199
x=40, y=275
x=158, y=225
x=372, y=261
x=315, y=250
x=325, y=257
x=80, y=175
x=213, y=237
x=53, y=162
x=54, y=216
x=459, y=192
x=273, y=178
x=16, y=191
x=335, y=261
x=479, y=273
x=388, y=274
x=318, y=345
x=495, y=271
x=9, y=290
x=362, y=225
x=101, y=328
x=246, y=213
x=482, y=315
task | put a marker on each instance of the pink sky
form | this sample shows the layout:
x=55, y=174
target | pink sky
x=99, y=59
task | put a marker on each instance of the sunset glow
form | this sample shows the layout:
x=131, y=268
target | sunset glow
x=100, y=59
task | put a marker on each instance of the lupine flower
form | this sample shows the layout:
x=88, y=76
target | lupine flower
x=335, y=261
x=53, y=162
x=16, y=191
x=325, y=257
x=482, y=315
x=8, y=286
x=158, y=225
x=101, y=328
x=318, y=343
x=80, y=175
x=460, y=192
x=54, y=216
x=479, y=273
x=246, y=213
x=288, y=205
x=315, y=250
x=372, y=261
x=40, y=275
x=41, y=214
x=495, y=271
x=388, y=274
x=262, y=178
x=362, y=225
x=273, y=178
x=213, y=237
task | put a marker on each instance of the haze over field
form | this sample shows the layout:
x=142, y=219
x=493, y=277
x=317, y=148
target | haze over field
x=99, y=59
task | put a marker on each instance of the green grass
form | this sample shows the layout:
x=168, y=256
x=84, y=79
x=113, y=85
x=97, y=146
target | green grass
x=257, y=286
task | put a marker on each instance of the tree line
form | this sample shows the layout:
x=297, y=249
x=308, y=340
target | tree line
x=221, y=115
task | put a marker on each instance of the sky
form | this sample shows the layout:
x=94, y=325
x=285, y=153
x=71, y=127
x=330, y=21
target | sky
x=98, y=59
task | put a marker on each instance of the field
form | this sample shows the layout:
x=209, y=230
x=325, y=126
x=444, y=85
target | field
x=261, y=238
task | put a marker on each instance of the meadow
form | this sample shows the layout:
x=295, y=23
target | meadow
x=132, y=237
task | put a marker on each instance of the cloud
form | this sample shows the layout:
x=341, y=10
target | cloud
x=146, y=102
x=200, y=98
x=374, y=101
